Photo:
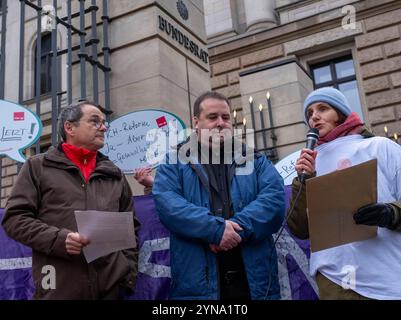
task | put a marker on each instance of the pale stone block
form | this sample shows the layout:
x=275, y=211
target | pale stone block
x=8, y=162
x=233, y=77
x=376, y=84
x=382, y=20
x=195, y=20
x=370, y=54
x=144, y=22
x=199, y=80
x=377, y=37
x=172, y=65
x=219, y=81
x=381, y=67
x=272, y=78
x=381, y=115
x=135, y=96
x=287, y=114
x=291, y=135
x=7, y=181
x=10, y=170
x=156, y=92
x=392, y=48
x=135, y=63
x=225, y=66
x=262, y=55
x=282, y=3
x=384, y=98
x=398, y=111
x=295, y=13
x=322, y=38
x=396, y=79
x=230, y=91
x=123, y=6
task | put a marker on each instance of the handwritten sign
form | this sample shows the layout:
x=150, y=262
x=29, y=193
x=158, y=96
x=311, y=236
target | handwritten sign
x=19, y=129
x=286, y=167
x=142, y=138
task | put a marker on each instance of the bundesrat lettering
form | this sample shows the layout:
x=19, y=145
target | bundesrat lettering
x=183, y=40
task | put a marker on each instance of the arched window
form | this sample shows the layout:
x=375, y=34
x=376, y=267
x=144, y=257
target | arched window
x=45, y=64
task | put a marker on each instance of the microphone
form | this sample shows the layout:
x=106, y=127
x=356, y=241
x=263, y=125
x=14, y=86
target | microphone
x=311, y=138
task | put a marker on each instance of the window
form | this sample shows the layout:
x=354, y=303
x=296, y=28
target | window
x=45, y=64
x=340, y=74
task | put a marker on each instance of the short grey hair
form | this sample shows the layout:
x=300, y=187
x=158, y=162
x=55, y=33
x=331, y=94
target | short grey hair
x=72, y=113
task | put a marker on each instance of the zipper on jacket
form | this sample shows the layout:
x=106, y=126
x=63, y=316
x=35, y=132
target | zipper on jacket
x=84, y=186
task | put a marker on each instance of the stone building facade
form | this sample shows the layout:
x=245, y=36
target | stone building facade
x=158, y=59
x=246, y=48
x=288, y=47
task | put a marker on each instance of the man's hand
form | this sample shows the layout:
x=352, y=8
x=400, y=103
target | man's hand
x=230, y=237
x=75, y=242
x=376, y=214
x=214, y=248
x=144, y=176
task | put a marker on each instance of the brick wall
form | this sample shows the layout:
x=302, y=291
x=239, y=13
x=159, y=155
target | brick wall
x=379, y=56
x=9, y=174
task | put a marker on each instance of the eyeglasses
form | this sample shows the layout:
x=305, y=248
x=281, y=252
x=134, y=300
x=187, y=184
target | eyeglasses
x=98, y=123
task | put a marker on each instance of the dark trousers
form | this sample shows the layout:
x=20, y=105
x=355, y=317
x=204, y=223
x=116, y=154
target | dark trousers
x=234, y=286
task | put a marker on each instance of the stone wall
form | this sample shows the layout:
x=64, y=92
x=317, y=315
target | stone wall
x=374, y=43
x=379, y=55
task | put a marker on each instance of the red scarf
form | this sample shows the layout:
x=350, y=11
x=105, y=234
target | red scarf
x=351, y=125
x=84, y=159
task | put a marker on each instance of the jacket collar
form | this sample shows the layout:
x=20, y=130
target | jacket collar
x=239, y=159
x=56, y=158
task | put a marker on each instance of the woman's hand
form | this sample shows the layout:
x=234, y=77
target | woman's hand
x=306, y=162
x=144, y=176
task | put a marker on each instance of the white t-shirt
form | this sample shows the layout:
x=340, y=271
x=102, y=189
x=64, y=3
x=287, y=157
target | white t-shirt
x=375, y=263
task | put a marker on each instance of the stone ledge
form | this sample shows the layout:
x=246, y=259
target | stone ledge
x=321, y=38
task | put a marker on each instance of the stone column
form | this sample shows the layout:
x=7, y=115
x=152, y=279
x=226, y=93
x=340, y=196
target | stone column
x=259, y=14
x=219, y=17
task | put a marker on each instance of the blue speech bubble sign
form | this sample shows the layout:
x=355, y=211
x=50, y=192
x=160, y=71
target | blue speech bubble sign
x=132, y=139
x=19, y=129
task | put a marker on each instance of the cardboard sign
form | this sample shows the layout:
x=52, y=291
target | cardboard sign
x=142, y=138
x=333, y=199
x=19, y=129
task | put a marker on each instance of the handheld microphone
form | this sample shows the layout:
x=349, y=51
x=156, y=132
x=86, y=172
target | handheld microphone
x=311, y=138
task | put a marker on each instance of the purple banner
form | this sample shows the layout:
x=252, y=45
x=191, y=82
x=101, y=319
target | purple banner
x=15, y=268
x=154, y=261
x=154, y=257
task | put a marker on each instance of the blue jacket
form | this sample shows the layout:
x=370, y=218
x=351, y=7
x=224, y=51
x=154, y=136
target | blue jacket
x=182, y=202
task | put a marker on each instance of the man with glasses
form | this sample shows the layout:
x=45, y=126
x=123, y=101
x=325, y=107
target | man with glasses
x=40, y=211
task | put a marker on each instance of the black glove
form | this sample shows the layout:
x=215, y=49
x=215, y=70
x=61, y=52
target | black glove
x=377, y=214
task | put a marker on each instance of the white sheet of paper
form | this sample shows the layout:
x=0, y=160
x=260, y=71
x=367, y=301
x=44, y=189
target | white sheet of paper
x=107, y=231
